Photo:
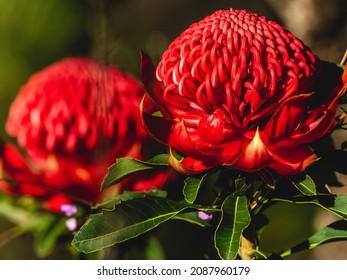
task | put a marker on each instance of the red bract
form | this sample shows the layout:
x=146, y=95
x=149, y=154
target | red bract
x=235, y=89
x=72, y=120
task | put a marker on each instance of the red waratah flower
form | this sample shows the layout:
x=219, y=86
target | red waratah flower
x=235, y=89
x=72, y=120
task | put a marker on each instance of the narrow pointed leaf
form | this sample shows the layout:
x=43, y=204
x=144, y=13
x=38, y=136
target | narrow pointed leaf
x=127, y=166
x=191, y=187
x=304, y=183
x=128, y=220
x=235, y=218
x=336, y=203
x=333, y=232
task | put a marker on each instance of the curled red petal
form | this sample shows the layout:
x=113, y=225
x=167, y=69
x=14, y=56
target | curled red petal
x=196, y=165
x=153, y=87
x=286, y=119
x=194, y=146
x=211, y=129
x=187, y=165
x=290, y=161
x=158, y=127
x=226, y=153
x=319, y=121
x=180, y=139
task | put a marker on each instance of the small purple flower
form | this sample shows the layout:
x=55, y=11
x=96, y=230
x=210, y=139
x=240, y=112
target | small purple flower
x=204, y=216
x=71, y=224
x=68, y=209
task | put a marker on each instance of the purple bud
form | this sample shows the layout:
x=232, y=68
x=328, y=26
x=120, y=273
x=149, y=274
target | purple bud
x=68, y=209
x=204, y=216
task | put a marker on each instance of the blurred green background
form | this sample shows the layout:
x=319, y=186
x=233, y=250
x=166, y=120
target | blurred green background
x=35, y=33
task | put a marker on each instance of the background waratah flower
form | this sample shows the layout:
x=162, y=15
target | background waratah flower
x=72, y=120
x=235, y=89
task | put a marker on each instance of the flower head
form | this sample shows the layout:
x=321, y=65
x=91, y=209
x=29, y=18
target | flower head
x=234, y=89
x=75, y=106
x=72, y=120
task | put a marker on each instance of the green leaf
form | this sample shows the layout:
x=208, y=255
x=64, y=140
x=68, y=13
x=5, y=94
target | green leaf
x=128, y=220
x=193, y=218
x=191, y=187
x=110, y=203
x=124, y=167
x=304, y=183
x=159, y=160
x=333, y=232
x=234, y=219
x=334, y=203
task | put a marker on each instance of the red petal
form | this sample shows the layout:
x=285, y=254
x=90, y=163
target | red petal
x=180, y=139
x=290, y=161
x=286, y=119
x=158, y=127
x=319, y=122
x=187, y=166
x=211, y=128
x=195, y=165
x=227, y=153
x=224, y=153
x=255, y=156
x=316, y=126
x=153, y=87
